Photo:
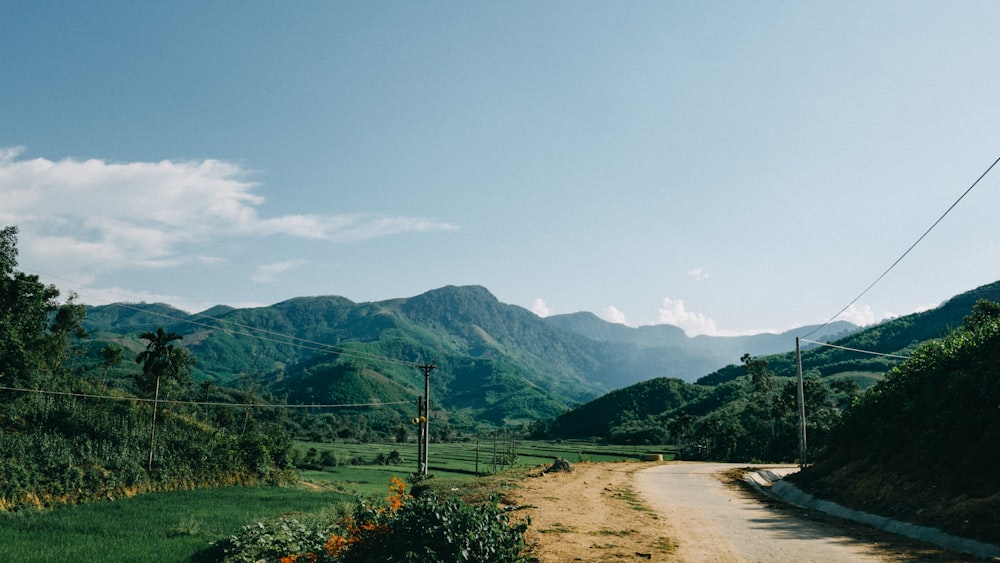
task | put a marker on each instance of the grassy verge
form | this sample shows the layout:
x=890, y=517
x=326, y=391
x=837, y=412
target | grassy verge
x=171, y=526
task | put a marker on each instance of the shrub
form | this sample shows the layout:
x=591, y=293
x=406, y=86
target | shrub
x=396, y=529
x=272, y=540
x=435, y=529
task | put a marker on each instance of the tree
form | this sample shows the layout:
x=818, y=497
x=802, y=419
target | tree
x=67, y=324
x=763, y=390
x=983, y=313
x=25, y=306
x=111, y=356
x=161, y=359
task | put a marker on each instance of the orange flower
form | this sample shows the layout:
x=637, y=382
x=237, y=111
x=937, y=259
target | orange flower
x=336, y=544
x=397, y=492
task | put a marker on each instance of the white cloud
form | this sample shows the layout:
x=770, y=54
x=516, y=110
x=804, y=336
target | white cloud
x=699, y=274
x=539, y=308
x=267, y=273
x=104, y=296
x=612, y=315
x=85, y=218
x=673, y=312
x=863, y=316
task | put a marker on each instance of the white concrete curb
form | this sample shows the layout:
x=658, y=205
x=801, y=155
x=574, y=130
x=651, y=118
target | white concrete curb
x=770, y=480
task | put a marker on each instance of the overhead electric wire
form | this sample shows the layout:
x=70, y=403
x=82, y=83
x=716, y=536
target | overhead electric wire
x=856, y=350
x=912, y=246
x=202, y=403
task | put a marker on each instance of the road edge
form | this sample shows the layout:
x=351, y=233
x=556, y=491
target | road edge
x=771, y=481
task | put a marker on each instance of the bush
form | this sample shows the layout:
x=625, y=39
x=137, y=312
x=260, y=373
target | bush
x=271, y=540
x=400, y=529
x=432, y=529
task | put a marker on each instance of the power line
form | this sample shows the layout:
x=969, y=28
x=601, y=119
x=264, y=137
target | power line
x=201, y=403
x=856, y=350
x=912, y=246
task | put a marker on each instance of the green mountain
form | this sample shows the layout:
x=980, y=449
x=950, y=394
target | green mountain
x=495, y=362
x=664, y=350
x=724, y=413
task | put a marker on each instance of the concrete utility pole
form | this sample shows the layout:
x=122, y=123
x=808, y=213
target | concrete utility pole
x=802, y=405
x=426, y=416
x=418, y=421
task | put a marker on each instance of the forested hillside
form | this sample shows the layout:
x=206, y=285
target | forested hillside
x=923, y=444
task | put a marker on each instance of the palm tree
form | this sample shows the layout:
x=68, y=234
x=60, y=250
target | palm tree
x=160, y=359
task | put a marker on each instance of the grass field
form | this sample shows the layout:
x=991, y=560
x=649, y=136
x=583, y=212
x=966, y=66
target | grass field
x=176, y=526
x=170, y=526
x=459, y=460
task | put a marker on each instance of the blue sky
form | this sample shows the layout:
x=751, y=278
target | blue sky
x=726, y=167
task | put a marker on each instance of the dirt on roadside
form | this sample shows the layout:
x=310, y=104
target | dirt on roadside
x=590, y=514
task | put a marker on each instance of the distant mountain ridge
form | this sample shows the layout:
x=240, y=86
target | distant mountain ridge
x=495, y=360
x=663, y=398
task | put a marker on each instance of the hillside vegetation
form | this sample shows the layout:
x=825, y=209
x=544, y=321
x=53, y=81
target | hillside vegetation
x=66, y=438
x=922, y=444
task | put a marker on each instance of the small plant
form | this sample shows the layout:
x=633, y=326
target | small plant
x=188, y=526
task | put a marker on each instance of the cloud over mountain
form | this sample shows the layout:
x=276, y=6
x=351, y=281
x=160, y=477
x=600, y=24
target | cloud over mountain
x=83, y=218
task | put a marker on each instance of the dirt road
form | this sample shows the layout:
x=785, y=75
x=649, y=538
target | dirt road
x=686, y=512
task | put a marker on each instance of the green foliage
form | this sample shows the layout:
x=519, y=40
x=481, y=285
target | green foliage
x=752, y=418
x=640, y=402
x=269, y=540
x=61, y=444
x=29, y=350
x=926, y=437
x=162, y=360
x=935, y=413
x=398, y=528
x=436, y=529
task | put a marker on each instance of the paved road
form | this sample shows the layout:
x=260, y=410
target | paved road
x=714, y=522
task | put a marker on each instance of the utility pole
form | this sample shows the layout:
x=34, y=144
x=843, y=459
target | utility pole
x=420, y=434
x=425, y=421
x=802, y=405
